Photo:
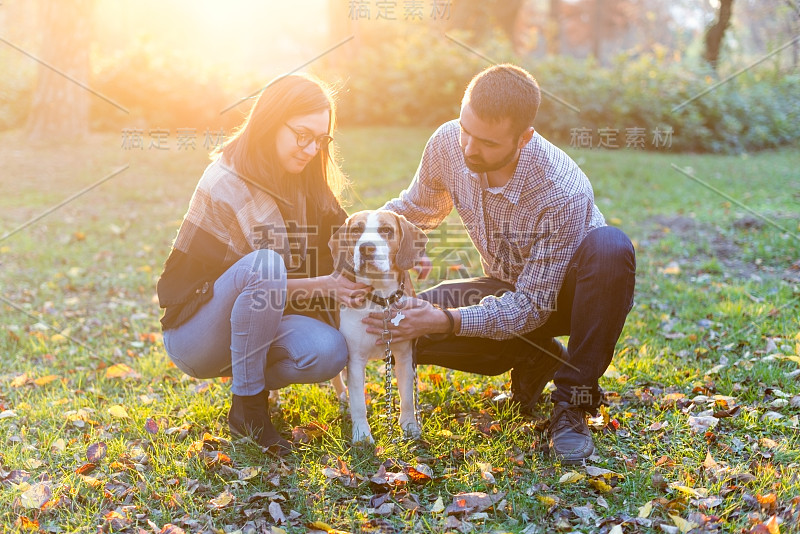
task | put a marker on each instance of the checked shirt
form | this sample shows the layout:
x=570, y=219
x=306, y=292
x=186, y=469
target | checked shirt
x=526, y=231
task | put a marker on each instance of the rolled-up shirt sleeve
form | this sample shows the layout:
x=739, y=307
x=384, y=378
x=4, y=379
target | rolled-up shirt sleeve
x=534, y=297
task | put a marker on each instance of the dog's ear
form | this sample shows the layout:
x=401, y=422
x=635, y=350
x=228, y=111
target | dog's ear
x=412, y=243
x=342, y=249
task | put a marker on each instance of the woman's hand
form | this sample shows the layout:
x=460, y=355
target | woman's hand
x=345, y=291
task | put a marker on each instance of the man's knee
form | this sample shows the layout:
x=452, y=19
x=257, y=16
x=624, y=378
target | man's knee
x=610, y=246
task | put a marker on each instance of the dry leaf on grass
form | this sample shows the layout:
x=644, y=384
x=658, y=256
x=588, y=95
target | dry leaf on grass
x=473, y=502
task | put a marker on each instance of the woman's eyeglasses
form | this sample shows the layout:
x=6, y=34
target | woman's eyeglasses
x=304, y=139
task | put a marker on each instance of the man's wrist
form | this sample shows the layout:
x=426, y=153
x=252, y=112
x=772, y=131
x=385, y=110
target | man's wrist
x=451, y=322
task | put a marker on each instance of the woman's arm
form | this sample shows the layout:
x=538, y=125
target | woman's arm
x=333, y=285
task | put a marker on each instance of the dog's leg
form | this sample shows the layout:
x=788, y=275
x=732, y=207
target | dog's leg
x=340, y=387
x=404, y=367
x=358, y=403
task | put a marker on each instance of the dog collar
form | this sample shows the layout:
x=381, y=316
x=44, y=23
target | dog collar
x=385, y=302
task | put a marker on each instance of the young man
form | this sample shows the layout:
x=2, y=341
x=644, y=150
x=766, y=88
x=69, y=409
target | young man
x=552, y=266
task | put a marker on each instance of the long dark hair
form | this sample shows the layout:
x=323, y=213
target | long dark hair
x=251, y=150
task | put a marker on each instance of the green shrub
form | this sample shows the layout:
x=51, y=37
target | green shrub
x=420, y=79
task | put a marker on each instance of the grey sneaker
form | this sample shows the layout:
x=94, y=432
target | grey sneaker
x=530, y=375
x=570, y=437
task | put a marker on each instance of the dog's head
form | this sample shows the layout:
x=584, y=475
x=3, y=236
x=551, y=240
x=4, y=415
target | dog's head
x=376, y=243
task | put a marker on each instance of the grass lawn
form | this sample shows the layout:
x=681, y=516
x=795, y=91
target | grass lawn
x=100, y=433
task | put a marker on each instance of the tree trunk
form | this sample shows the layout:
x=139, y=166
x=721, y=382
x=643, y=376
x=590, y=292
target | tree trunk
x=598, y=28
x=716, y=32
x=553, y=35
x=60, y=108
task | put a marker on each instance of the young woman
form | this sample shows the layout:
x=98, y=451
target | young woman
x=249, y=283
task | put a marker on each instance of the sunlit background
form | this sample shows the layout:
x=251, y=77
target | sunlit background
x=191, y=64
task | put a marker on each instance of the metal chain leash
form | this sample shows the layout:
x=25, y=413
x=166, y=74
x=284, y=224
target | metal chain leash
x=389, y=407
x=386, y=337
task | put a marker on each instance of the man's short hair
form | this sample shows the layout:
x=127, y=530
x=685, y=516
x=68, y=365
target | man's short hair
x=504, y=91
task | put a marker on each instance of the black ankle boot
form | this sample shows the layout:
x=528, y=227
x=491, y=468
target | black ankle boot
x=249, y=416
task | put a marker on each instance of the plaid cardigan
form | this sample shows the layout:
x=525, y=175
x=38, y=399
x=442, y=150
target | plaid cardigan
x=229, y=217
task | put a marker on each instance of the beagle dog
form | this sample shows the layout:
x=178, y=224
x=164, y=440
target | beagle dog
x=376, y=248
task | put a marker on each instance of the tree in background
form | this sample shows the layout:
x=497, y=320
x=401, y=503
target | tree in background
x=60, y=107
x=716, y=32
x=481, y=17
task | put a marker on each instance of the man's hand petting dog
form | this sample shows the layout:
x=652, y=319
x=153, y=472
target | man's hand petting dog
x=419, y=318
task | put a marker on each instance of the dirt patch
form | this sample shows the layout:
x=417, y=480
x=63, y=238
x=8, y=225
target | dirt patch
x=708, y=242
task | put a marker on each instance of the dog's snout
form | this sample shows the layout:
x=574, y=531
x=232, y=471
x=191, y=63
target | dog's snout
x=367, y=249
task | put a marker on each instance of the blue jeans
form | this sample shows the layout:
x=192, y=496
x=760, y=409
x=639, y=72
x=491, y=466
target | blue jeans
x=593, y=303
x=242, y=333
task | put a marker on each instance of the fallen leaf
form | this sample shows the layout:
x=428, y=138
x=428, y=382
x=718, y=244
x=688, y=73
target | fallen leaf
x=600, y=485
x=121, y=370
x=23, y=523
x=276, y=512
x=571, y=477
x=672, y=268
x=44, y=380
x=593, y=471
x=249, y=472
x=19, y=381
x=96, y=451
x=86, y=468
x=438, y=506
x=682, y=524
x=646, y=509
x=308, y=432
x=768, y=502
x=473, y=502
x=119, y=411
x=222, y=500
x=548, y=500
x=702, y=424
x=36, y=496
x=692, y=492
x=709, y=463
x=151, y=426
x=420, y=473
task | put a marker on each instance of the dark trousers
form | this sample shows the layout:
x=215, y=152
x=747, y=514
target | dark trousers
x=593, y=303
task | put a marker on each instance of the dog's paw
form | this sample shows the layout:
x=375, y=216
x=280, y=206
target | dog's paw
x=362, y=435
x=411, y=429
x=343, y=397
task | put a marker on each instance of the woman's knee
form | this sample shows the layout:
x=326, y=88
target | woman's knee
x=333, y=358
x=265, y=264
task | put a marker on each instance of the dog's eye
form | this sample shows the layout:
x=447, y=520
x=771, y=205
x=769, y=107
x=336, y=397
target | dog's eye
x=386, y=231
x=357, y=230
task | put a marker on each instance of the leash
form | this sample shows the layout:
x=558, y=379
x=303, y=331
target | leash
x=386, y=336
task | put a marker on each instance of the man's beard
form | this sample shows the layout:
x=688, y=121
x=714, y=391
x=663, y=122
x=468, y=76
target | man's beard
x=481, y=166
